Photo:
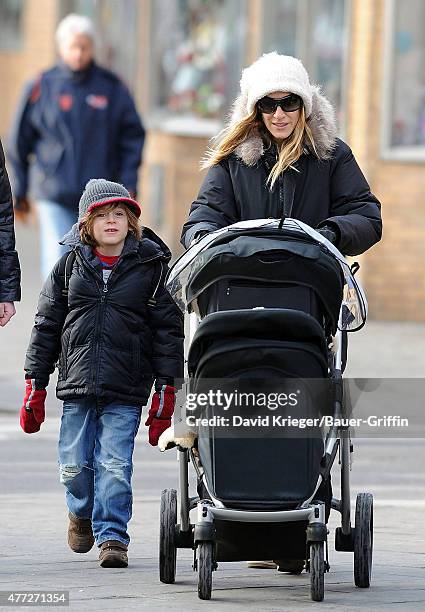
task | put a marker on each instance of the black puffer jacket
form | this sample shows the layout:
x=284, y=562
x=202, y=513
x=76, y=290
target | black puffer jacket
x=107, y=340
x=10, y=271
x=330, y=191
x=327, y=187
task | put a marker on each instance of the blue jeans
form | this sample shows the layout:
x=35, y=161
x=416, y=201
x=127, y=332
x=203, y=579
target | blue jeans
x=55, y=221
x=96, y=464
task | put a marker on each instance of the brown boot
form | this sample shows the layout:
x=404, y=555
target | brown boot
x=80, y=534
x=113, y=554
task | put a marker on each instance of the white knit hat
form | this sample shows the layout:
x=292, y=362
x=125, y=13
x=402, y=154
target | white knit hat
x=274, y=72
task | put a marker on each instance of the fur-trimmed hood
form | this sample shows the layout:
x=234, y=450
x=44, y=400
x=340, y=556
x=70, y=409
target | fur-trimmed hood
x=322, y=123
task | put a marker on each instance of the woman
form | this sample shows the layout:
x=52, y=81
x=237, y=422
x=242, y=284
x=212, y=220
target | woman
x=279, y=155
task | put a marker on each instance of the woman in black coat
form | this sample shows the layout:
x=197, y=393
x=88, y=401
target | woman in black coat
x=10, y=272
x=278, y=156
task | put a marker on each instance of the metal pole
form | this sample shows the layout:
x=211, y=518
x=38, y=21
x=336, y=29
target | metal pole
x=345, y=481
x=184, y=491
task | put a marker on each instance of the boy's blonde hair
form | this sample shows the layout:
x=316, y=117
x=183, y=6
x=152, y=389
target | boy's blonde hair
x=86, y=224
x=252, y=125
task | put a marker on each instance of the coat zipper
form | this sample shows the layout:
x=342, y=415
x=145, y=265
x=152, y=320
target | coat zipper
x=98, y=338
x=99, y=321
x=281, y=208
x=281, y=197
x=113, y=273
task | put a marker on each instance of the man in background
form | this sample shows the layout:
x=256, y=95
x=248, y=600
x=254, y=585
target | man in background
x=10, y=272
x=76, y=121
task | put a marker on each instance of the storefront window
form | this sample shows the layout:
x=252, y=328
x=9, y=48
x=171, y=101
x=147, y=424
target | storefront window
x=315, y=31
x=405, y=79
x=117, y=46
x=10, y=24
x=197, y=55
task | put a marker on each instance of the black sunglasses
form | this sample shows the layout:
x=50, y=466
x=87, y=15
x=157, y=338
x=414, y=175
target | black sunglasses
x=288, y=104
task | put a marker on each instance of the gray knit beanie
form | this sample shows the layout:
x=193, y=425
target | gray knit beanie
x=274, y=72
x=99, y=192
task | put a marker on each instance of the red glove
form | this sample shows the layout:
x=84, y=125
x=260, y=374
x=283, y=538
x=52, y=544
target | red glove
x=160, y=413
x=32, y=412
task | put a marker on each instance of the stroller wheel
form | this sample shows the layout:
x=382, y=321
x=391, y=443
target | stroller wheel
x=363, y=540
x=205, y=569
x=317, y=571
x=167, y=531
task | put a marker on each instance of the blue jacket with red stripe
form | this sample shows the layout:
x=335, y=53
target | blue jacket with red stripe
x=78, y=126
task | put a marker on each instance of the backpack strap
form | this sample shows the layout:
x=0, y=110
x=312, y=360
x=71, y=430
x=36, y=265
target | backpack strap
x=66, y=271
x=157, y=281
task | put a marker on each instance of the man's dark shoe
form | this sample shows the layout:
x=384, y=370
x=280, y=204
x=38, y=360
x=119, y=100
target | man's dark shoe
x=113, y=554
x=80, y=534
x=291, y=566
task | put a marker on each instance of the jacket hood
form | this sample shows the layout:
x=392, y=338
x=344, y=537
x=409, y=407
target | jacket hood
x=322, y=123
x=150, y=245
x=154, y=243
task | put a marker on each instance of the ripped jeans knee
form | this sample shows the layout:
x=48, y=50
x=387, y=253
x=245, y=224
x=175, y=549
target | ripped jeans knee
x=117, y=468
x=67, y=473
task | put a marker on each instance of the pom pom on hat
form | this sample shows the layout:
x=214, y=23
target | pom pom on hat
x=273, y=72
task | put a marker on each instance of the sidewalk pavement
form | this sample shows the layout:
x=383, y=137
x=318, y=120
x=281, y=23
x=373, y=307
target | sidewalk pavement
x=35, y=555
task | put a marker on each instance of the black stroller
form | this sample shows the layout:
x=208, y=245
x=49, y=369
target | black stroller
x=268, y=302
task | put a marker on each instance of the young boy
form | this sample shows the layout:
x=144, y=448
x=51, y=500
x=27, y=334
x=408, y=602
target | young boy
x=113, y=329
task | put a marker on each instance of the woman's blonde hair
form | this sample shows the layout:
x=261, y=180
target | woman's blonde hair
x=86, y=224
x=252, y=125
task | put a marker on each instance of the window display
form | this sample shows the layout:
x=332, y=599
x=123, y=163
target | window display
x=10, y=20
x=406, y=77
x=315, y=31
x=198, y=52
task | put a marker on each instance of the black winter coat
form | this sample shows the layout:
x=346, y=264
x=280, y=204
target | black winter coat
x=107, y=341
x=329, y=191
x=10, y=271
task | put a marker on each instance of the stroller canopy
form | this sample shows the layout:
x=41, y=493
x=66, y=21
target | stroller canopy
x=274, y=259
x=267, y=250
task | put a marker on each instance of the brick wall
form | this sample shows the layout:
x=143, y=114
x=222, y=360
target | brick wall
x=39, y=22
x=176, y=159
x=392, y=271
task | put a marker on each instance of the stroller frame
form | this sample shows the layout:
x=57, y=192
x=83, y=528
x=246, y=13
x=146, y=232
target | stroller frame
x=201, y=535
